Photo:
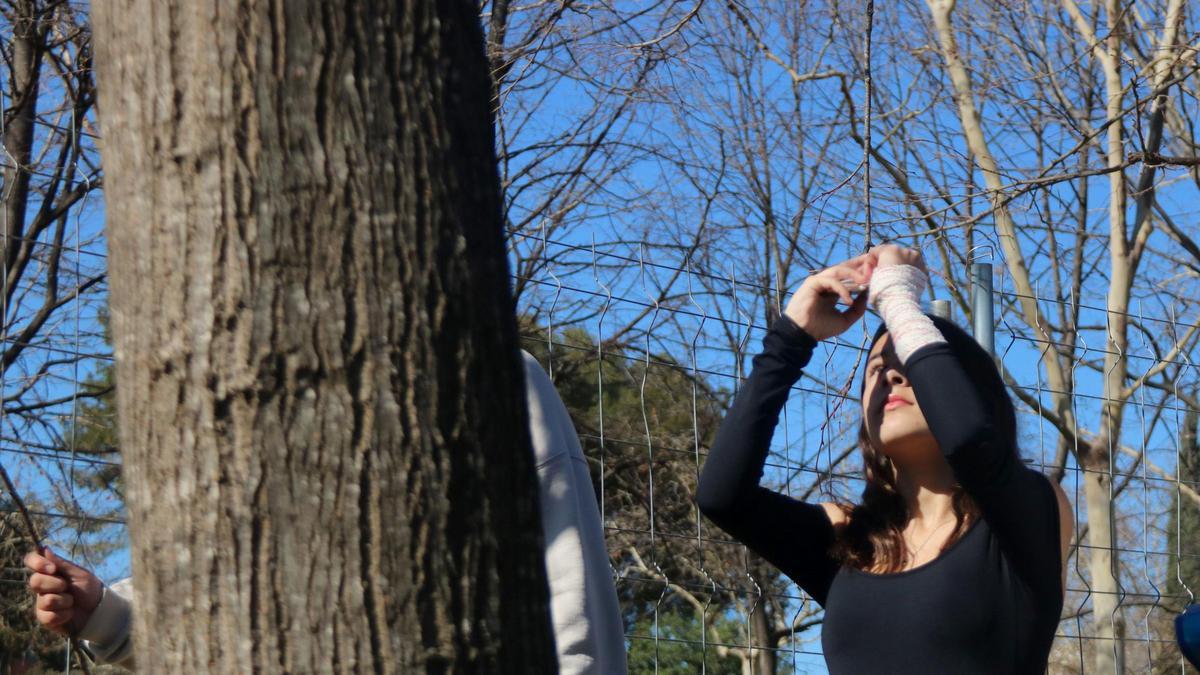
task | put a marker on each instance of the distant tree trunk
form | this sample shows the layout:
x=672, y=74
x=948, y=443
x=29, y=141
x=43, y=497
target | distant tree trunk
x=28, y=43
x=764, y=651
x=321, y=400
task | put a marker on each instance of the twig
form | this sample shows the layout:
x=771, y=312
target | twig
x=866, y=160
x=30, y=528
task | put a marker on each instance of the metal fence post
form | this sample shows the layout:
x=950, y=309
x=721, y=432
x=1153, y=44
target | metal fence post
x=981, y=306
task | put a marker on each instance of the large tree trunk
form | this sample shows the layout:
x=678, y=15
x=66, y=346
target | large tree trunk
x=322, y=409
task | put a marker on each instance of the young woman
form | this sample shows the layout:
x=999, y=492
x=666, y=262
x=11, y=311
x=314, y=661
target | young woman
x=953, y=560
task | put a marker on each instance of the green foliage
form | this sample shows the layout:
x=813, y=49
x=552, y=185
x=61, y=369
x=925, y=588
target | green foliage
x=95, y=433
x=22, y=641
x=93, y=429
x=16, y=602
x=638, y=418
x=679, y=650
x=637, y=422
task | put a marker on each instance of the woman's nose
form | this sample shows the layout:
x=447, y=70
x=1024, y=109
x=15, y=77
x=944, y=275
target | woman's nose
x=895, y=377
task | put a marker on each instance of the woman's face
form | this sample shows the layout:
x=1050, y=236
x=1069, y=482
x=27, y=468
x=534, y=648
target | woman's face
x=895, y=423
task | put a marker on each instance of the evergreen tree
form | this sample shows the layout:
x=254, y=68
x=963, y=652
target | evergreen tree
x=1183, y=530
x=638, y=416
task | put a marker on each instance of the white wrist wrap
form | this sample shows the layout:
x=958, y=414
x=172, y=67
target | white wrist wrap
x=895, y=291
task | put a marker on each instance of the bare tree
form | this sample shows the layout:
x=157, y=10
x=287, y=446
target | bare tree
x=52, y=280
x=992, y=130
x=1127, y=247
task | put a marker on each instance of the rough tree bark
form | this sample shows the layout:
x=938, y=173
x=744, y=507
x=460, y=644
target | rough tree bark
x=321, y=400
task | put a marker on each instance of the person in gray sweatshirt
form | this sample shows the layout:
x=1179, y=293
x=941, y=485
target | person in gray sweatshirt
x=588, y=632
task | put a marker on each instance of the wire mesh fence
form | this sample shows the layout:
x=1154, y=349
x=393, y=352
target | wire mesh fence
x=687, y=123
x=661, y=348
x=646, y=352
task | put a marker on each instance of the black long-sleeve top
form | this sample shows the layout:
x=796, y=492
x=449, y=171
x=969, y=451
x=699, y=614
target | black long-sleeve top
x=990, y=603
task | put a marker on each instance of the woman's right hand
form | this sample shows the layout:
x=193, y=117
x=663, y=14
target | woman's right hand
x=887, y=255
x=814, y=306
x=67, y=594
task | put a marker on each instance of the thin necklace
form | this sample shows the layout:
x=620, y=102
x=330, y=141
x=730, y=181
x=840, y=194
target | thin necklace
x=927, y=539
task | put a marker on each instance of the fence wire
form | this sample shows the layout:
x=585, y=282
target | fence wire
x=647, y=352
x=684, y=338
x=647, y=347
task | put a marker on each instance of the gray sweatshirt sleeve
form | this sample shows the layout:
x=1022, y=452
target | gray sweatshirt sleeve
x=588, y=631
x=109, y=632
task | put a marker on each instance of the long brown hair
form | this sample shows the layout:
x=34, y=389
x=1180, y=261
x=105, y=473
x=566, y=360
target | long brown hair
x=873, y=538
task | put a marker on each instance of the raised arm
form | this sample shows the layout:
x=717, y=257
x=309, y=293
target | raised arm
x=792, y=535
x=1019, y=503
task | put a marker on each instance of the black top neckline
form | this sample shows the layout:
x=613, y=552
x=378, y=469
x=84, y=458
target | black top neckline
x=923, y=566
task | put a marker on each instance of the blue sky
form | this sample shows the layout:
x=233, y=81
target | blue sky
x=643, y=201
